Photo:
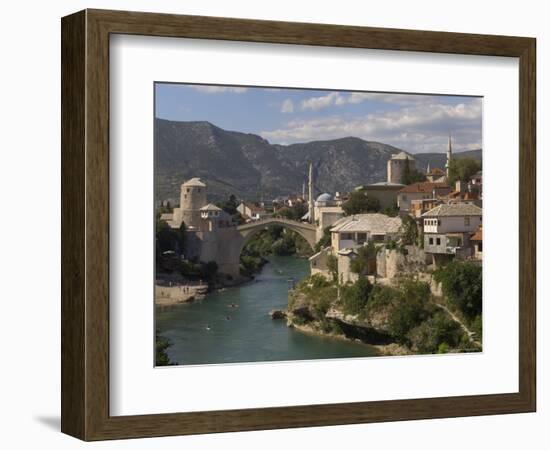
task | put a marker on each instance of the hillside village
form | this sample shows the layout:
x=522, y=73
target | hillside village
x=399, y=236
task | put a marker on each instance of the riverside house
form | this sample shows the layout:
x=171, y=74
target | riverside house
x=350, y=233
x=447, y=230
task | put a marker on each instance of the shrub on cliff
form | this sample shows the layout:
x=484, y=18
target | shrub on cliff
x=436, y=334
x=161, y=345
x=409, y=308
x=462, y=284
x=355, y=297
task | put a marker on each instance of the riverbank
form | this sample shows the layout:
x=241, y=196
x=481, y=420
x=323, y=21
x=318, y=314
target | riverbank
x=233, y=325
x=400, y=318
x=391, y=349
x=176, y=294
x=317, y=328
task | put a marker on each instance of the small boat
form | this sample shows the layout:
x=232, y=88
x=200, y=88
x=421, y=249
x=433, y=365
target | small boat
x=208, y=328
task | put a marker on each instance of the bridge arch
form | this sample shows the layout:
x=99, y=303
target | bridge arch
x=305, y=230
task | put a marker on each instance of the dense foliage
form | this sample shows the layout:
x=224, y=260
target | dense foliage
x=365, y=256
x=230, y=207
x=358, y=203
x=462, y=284
x=354, y=297
x=324, y=241
x=411, y=175
x=275, y=240
x=404, y=310
x=295, y=212
x=161, y=356
x=463, y=169
x=409, y=231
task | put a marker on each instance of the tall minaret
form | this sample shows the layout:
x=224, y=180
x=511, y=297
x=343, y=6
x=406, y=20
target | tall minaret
x=304, y=190
x=310, y=186
x=449, y=155
x=428, y=169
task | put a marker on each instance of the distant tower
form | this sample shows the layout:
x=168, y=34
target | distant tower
x=310, y=197
x=192, y=199
x=449, y=156
x=396, y=165
x=304, y=190
x=428, y=169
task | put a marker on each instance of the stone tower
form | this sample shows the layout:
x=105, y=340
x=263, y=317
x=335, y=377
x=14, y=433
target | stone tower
x=192, y=199
x=449, y=156
x=396, y=166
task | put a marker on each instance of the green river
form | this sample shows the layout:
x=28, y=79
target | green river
x=212, y=332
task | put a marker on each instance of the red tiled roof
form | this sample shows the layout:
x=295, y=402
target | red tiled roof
x=423, y=186
x=436, y=171
x=478, y=235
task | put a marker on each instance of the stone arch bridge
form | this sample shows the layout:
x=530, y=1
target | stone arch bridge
x=231, y=246
x=304, y=229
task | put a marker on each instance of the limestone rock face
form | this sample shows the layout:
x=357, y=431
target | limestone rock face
x=244, y=164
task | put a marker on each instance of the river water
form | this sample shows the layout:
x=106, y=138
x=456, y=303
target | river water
x=212, y=332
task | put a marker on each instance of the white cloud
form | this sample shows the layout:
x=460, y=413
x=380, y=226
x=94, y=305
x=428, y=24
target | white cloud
x=317, y=103
x=418, y=128
x=340, y=99
x=287, y=106
x=218, y=89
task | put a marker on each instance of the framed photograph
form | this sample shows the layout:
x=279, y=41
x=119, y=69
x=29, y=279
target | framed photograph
x=273, y=225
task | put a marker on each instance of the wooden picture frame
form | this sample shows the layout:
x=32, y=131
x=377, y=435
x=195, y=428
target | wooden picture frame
x=85, y=224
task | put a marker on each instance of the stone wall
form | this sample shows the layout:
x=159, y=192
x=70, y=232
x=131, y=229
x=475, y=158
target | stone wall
x=391, y=262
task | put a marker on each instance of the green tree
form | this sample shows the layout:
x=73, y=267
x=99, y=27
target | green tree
x=410, y=308
x=409, y=231
x=365, y=255
x=295, y=212
x=462, y=169
x=324, y=241
x=161, y=345
x=436, y=334
x=462, y=284
x=229, y=205
x=332, y=265
x=355, y=297
x=410, y=175
x=166, y=238
x=391, y=211
x=358, y=203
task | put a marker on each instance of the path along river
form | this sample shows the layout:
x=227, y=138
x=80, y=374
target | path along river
x=212, y=332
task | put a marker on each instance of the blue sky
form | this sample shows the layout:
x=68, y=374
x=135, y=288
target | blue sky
x=416, y=123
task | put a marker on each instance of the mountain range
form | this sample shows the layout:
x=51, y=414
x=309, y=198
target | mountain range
x=251, y=168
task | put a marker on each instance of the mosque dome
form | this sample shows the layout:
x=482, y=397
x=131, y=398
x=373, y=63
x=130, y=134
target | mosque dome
x=324, y=198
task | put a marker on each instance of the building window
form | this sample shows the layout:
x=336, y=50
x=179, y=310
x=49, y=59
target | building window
x=187, y=189
x=404, y=198
x=438, y=241
x=431, y=241
x=466, y=221
x=361, y=238
x=347, y=236
x=439, y=222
